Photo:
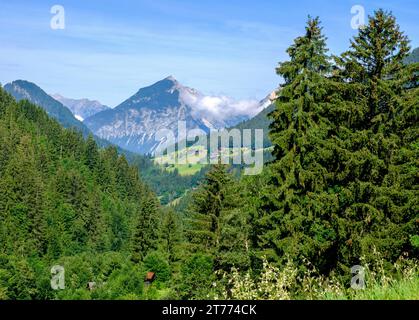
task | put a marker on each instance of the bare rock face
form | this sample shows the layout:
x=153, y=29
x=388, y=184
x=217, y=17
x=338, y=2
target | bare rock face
x=81, y=108
x=134, y=123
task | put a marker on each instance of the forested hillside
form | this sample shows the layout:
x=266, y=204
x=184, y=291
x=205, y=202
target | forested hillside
x=168, y=185
x=260, y=121
x=21, y=89
x=64, y=201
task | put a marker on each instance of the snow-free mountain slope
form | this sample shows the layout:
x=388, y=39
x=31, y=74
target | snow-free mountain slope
x=134, y=123
x=21, y=89
x=81, y=108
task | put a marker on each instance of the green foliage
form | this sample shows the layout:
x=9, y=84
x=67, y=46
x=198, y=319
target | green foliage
x=127, y=281
x=287, y=283
x=21, y=90
x=64, y=201
x=197, y=277
x=206, y=209
x=155, y=262
x=146, y=231
x=260, y=121
x=414, y=240
x=291, y=217
x=215, y=225
x=169, y=185
x=344, y=134
x=171, y=235
x=377, y=197
x=341, y=190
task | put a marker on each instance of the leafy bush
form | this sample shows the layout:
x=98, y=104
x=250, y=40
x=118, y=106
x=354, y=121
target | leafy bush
x=155, y=262
x=197, y=277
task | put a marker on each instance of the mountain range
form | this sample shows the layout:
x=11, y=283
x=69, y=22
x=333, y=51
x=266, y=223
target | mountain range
x=81, y=108
x=25, y=90
x=133, y=124
x=21, y=89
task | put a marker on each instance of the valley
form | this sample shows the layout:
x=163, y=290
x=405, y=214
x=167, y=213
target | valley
x=310, y=193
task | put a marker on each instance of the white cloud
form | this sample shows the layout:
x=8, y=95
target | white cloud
x=219, y=108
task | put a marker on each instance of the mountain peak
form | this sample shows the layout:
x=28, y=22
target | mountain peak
x=166, y=90
x=170, y=78
x=81, y=108
x=20, y=82
x=22, y=85
x=57, y=96
x=22, y=89
x=170, y=82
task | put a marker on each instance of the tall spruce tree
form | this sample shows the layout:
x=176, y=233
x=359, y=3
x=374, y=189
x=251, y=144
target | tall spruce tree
x=205, y=210
x=147, y=227
x=91, y=153
x=292, y=219
x=215, y=226
x=377, y=188
x=171, y=235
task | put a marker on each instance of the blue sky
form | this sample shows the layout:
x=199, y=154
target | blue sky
x=109, y=49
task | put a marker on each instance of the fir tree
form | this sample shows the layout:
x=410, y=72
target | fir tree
x=378, y=121
x=171, y=235
x=292, y=218
x=91, y=153
x=205, y=210
x=216, y=225
x=146, y=233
